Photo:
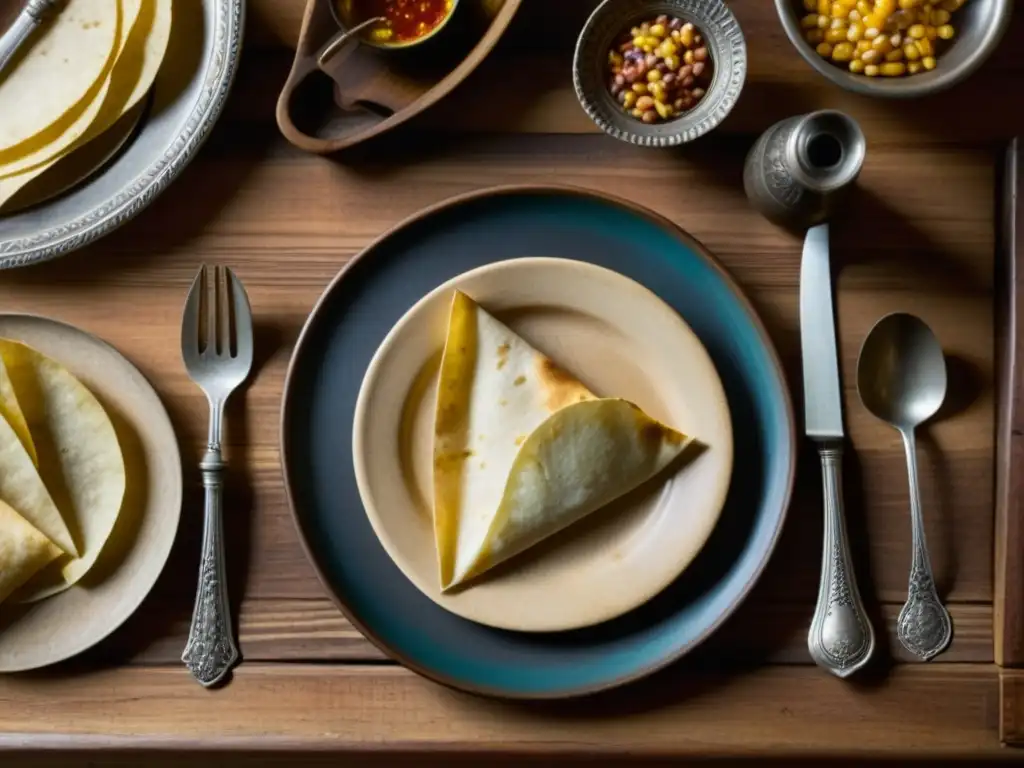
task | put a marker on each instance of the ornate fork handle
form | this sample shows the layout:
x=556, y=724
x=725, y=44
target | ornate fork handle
x=841, y=638
x=211, y=652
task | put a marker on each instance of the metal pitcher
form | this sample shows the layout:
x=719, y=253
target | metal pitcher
x=796, y=169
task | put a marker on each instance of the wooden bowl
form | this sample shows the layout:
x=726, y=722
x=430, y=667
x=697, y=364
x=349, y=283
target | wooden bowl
x=363, y=91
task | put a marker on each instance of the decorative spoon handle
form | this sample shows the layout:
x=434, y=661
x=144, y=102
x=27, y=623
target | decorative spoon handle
x=841, y=638
x=30, y=17
x=924, y=626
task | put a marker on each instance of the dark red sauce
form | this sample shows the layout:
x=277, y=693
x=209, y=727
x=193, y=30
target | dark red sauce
x=407, y=19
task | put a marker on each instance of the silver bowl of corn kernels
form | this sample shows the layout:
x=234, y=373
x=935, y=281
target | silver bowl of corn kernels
x=895, y=48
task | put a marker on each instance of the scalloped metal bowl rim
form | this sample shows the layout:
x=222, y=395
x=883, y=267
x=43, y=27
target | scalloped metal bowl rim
x=719, y=86
x=898, y=88
x=137, y=195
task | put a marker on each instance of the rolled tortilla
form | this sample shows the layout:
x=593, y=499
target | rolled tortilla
x=522, y=449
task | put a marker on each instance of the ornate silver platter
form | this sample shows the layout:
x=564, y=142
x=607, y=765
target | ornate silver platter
x=187, y=99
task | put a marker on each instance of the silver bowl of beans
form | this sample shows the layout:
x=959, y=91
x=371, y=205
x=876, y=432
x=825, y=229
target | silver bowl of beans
x=659, y=73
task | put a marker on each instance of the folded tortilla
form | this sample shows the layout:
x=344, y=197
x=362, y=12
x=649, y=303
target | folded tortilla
x=522, y=449
x=23, y=550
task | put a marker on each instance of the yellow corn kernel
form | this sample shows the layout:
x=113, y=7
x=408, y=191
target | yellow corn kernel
x=871, y=33
x=925, y=47
x=871, y=57
x=949, y=5
x=837, y=24
x=842, y=52
x=939, y=17
x=835, y=35
x=929, y=63
x=688, y=58
x=908, y=4
x=917, y=32
x=811, y=5
x=653, y=76
x=946, y=32
x=687, y=31
x=839, y=11
x=911, y=52
x=857, y=66
x=639, y=88
x=871, y=70
x=629, y=100
x=896, y=40
x=882, y=45
x=864, y=8
x=902, y=20
x=885, y=7
x=638, y=41
x=813, y=37
x=658, y=30
x=931, y=33
x=854, y=16
x=637, y=113
x=913, y=67
x=874, y=21
x=668, y=48
x=824, y=50
x=672, y=62
x=893, y=69
x=657, y=90
x=896, y=55
x=647, y=48
x=824, y=6
x=652, y=41
x=863, y=46
x=855, y=32
x=664, y=110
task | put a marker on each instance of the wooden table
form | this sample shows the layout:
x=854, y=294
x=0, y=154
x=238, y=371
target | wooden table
x=920, y=236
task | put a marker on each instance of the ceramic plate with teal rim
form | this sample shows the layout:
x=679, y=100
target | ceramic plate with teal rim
x=373, y=293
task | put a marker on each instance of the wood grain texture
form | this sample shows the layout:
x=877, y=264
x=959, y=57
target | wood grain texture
x=533, y=65
x=313, y=630
x=940, y=710
x=1009, y=533
x=918, y=236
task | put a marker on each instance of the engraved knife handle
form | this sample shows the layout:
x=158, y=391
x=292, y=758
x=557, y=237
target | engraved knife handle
x=30, y=17
x=211, y=652
x=841, y=638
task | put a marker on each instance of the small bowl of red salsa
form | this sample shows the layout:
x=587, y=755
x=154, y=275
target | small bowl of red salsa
x=407, y=22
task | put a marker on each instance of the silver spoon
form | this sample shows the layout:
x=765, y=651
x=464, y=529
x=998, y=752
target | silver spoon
x=901, y=377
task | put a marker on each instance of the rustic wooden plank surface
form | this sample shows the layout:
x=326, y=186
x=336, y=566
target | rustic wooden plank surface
x=533, y=68
x=1009, y=559
x=942, y=710
x=919, y=236
x=313, y=630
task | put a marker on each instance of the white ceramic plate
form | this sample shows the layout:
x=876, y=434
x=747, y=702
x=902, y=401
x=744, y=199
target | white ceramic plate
x=620, y=340
x=66, y=624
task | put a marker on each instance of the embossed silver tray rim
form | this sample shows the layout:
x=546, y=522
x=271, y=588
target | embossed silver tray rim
x=219, y=66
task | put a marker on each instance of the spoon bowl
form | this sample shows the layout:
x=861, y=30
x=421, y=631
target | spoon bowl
x=901, y=375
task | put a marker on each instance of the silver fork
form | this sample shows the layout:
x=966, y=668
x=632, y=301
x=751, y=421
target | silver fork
x=216, y=345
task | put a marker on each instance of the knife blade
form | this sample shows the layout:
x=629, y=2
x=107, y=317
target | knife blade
x=823, y=410
x=32, y=14
x=840, y=638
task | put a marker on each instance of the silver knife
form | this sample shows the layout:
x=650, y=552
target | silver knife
x=841, y=638
x=32, y=14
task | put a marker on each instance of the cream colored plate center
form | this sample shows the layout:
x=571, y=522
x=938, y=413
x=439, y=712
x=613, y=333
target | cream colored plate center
x=620, y=340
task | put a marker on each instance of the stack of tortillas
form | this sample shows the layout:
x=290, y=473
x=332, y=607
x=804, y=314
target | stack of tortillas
x=73, y=95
